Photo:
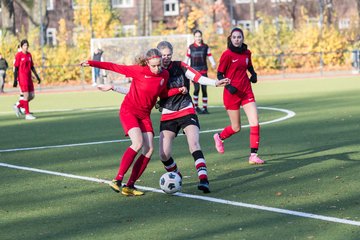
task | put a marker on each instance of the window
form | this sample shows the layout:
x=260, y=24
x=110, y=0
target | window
x=122, y=3
x=171, y=7
x=344, y=23
x=49, y=5
x=51, y=36
x=244, y=24
x=244, y=1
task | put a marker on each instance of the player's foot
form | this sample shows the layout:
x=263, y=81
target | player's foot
x=16, y=110
x=179, y=173
x=131, y=191
x=254, y=159
x=198, y=110
x=29, y=117
x=219, y=144
x=205, y=111
x=204, y=186
x=115, y=185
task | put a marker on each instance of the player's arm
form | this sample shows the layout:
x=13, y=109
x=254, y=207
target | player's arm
x=107, y=87
x=253, y=77
x=16, y=72
x=122, y=69
x=211, y=58
x=187, y=59
x=195, y=76
x=36, y=75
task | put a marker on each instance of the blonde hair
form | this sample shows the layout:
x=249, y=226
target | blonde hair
x=150, y=54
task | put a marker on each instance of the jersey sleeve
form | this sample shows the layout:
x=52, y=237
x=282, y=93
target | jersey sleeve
x=128, y=71
x=224, y=62
x=17, y=60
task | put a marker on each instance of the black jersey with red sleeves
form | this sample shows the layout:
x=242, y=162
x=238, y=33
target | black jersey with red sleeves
x=177, y=79
x=198, y=54
x=145, y=86
x=234, y=66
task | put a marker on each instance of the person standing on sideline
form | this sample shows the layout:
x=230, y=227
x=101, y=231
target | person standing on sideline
x=24, y=65
x=3, y=67
x=178, y=113
x=233, y=64
x=149, y=82
x=97, y=56
x=196, y=55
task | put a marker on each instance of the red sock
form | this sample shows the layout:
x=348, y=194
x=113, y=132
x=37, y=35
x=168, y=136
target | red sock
x=227, y=132
x=24, y=104
x=138, y=169
x=126, y=161
x=254, y=136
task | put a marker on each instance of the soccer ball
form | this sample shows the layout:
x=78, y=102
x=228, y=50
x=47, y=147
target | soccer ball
x=170, y=182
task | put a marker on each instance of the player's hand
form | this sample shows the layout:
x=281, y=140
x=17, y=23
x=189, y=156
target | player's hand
x=231, y=89
x=15, y=83
x=222, y=82
x=213, y=66
x=253, y=78
x=183, y=90
x=104, y=87
x=84, y=63
x=39, y=80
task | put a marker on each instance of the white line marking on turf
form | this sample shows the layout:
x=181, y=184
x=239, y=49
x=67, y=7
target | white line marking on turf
x=203, y=198
x=289, y=114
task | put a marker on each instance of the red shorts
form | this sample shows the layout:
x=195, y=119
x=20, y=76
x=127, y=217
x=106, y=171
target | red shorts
x=129, y=120
x=26, y=86
x=240, y=98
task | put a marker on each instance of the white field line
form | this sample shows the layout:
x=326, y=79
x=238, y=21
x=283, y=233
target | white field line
x=289, y=114
x=202, y=198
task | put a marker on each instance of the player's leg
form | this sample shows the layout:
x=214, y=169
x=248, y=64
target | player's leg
x=196, y=97
x=250, y=110
x=204, y=99
x=192, y=136
x=165, y=150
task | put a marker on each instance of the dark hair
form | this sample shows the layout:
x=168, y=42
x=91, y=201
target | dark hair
x=25, y=41
x=152, y=53
x=197, y=31
x=165, y=44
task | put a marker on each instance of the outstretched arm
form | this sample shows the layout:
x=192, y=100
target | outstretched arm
x=107, y=87
x=195, y=76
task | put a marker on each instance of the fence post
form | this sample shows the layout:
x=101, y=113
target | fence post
x=355, y=61
x=321, y=64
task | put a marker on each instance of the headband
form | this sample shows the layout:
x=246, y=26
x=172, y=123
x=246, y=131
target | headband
x=149, y=58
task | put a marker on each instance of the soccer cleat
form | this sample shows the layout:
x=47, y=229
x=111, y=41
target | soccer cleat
x=16, y=110
x=115, y=185
x=131, y=191
x=30, y=117
x=22, y=111
x=205, y=111
x=204, y=186
x=219, y=144
x=254, y=159
x=198, y=110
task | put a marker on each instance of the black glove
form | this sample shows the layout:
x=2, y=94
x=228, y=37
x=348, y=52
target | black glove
x=231, y=89
x=15, y=83
x=158, y=106
x=39, y=80
x=253, y=78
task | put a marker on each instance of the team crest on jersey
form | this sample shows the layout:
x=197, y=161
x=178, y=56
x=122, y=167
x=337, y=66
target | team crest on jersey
x=162, y=82
x=247, y=61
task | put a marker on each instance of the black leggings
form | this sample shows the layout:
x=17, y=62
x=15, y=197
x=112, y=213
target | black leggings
x=203, y=88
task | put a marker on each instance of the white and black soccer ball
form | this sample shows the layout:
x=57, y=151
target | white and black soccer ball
x=170, y=182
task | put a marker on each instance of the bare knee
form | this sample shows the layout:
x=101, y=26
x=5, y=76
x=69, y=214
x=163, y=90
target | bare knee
x=137, y=146
x=236, y=128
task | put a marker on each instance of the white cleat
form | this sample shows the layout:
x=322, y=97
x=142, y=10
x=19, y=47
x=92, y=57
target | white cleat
x=17, y=110
x=30, y=117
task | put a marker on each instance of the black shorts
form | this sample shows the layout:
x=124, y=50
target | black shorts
x=176, y=124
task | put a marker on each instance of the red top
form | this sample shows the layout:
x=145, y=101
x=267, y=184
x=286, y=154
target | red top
x=145, y=86
x=24, y=62
x=234, y=66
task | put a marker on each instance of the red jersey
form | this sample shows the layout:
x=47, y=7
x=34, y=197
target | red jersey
x=145, y=87
x=24, y=62
x=234, y=66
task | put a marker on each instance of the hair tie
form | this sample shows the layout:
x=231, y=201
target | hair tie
x=149, y=58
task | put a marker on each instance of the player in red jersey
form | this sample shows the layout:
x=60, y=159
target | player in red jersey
x=178, y=113
x=148, y=83
x=24, y=65
x=196, y=57
x=233, y=64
